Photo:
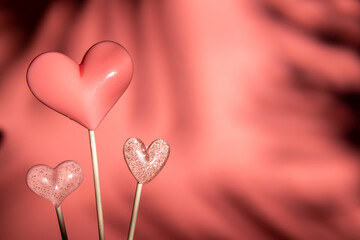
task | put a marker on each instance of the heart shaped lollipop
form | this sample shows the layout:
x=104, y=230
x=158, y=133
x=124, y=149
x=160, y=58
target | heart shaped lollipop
x=145, y=162
x=85, y=93
x=55, y=184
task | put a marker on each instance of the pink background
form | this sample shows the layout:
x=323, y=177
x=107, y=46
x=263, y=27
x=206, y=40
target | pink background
x=259, y=101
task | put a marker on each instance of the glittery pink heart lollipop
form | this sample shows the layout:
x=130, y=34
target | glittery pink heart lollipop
x=85, y=93
x=55, y=184
x=145, y=162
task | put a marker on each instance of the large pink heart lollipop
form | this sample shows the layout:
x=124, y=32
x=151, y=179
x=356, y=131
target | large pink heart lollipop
x=55, y=184
x=145, y=162
x=86, y=92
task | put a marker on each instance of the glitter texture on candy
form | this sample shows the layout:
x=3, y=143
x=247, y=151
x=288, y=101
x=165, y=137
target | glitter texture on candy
x=55, y=184
x=145, y=162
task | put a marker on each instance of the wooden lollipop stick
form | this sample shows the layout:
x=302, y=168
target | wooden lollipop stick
x=97, y=185
x=61, y=223
x=135, y=211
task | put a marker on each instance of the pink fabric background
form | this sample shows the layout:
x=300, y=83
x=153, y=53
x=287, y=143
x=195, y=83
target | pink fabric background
x=259, y=101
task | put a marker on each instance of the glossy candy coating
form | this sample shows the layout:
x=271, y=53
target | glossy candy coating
x=86, y=92
x=145, y=162
x=55, y=184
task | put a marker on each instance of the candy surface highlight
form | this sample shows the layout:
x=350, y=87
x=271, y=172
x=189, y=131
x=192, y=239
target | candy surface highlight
x=145, y=162
x=85, y=93
x=55, y=184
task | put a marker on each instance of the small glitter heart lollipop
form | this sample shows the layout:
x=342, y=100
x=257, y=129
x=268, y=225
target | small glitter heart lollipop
x=55, y=184
x=144, y=163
